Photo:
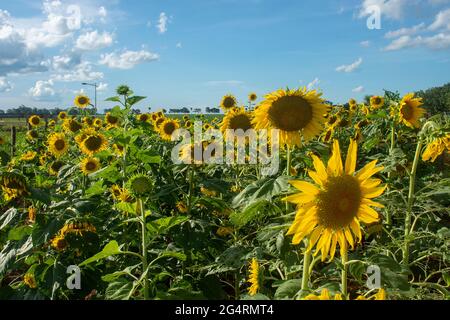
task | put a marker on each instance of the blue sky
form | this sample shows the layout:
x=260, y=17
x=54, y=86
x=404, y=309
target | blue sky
x=192, y=52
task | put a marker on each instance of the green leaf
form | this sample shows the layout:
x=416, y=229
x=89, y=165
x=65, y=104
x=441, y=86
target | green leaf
x=119, y=289
x=252, y=212
x=288, y=289
x=95, y=189
x=163, y=225
x=113, y=99
x=112, y=248
x=40, y=195
x=262, y=189
x=126, y=207
x=135, y=99
x=19, y=233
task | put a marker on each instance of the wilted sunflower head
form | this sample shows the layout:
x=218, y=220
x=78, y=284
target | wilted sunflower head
x=228, y=102
x=89, y=165
x=167, y=128
x=124, y=90
x=54, y=167
x=252, y=97
x=72, y=125
x=62, y=115
x=93, y=143
x=139, y=185
x=296, y=113
x=82, y=101
x=28, y=156
x=111, y=120
x=32, y=135
x=376, y=102
x=57, y=144
x=34, y=120
x=13, y=185
x=410, y=111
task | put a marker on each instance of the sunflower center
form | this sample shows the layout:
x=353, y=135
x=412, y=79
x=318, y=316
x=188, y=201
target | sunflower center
x=338, y=204
x=407, y=111
x=56, y=166
x=35, y=120
x=291, y=113
x=144, y=117
x=240, y=121
x=377, y=101
x=169, y=128
x=93, y=143
x=112, y=120
x=228, y=102
x=82, y=100
x=60, y=144
x=91, y=166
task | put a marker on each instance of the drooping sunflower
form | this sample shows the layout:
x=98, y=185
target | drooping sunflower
x=82, y=101
x=410, y=111
x=94, y=142
x=62, y=115
x=32, y=135
x=436, y=147
x=13, y=185
x=139, y=185
x=376, y=102
x=254, y=277
x=54, y=167
x=252, y=97
x=296, y=113
x=228, y=102
x=330, y=212
x=353, y=105
x=28, y=156
x=72, y=125
x=167, y=128
x=89, y=165
x=57, y=144
x=34, y=121
x=237, y=119
x=111, y=120
x=118, y=149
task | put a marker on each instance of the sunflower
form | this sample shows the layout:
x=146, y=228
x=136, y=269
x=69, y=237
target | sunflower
x=82, y=101
x=72, y=125
x=410, y=111
x=59, y=242
x=329, y=133
x=88, y=121
x=158, y=123
x=228, y=102
x=94, y=142
x=120, y=194
x=54, y=167
x=324, y=295
x=119, y=149
x=224, y=231
x=185, y=118
x=252, y=97
x=376, y=102
x=167, y=128
x=160, y=114
x=154, y=116
x=29, y=280
x=208, y=192
x=139, y=185
x=236, y=120
x=13, y=186
x=28, y=156
x=98, y=122
x=296, y=113
x=329, y=212
x=353, y=105
x=111, y=120
x=51, y=123
x=57, y=144
x=32, y=135
x=181, y=206
x=32, y=214
x=436, y=147
x=34, y=121
x=254, y=277
x=62, y=115
x=188, y=124
x=143, y=117
x=89, y=165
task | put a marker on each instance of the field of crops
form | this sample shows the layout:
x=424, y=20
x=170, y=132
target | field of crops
x=356, y=205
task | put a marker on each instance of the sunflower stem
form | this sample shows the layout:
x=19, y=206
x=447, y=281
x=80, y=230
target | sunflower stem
x=344, y=260
x=191, y=188
x=288, y=169
x=412, y=185
x=306, y=264
x=391, y=149
x=144, y=247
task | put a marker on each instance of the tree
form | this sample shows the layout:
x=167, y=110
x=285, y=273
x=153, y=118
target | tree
x=436, y=100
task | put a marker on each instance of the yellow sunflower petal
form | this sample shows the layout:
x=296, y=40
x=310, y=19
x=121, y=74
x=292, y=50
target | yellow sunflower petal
x=305, y=187
x=350, y=161
x=334, y=166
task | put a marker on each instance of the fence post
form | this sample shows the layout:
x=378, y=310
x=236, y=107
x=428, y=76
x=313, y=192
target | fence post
x=13, y=141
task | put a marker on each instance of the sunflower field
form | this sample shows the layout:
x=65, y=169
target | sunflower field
x=93, y=207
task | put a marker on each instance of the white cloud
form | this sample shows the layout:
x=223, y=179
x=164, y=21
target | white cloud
x=391, y=9
x=102, y=12
x=127, y=59
x=313, y=84
x=405, y=31
x=358, y=89
x=66, y=62
x=351, y=67
x=82, y=72
x=436, y=42
x=162, y=23
x=102, y=87
x=43, y=91
x=442, y=20
x=94, y=41
x=365, y=43
x=5, y=85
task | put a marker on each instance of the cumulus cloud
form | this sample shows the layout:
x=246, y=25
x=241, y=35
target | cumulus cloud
x=351, y=67
x=391, y=9
x=5, y=85
x=43, y=91
x=162, y=22
x=127, y=59
x=405, y=31
x=358, y=89
x=442, y=21
x=439, y=41
x=102, y=87
x=81, y=72
x=94, y=41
